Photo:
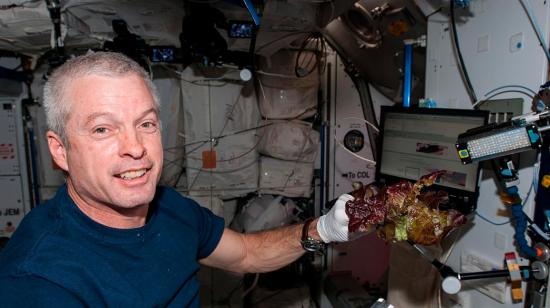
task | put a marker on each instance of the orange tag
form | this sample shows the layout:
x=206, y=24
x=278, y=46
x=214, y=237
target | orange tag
x=545, y=181
x=209, y=159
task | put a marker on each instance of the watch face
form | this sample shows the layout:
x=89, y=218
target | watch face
x=313, y=245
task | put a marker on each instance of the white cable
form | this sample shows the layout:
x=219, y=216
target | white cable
x=444, y=258
x=511, y=86
x=485, y=99
x=245, y=293
x=536, y=171
x=350, y=152
x=262, y=89
x=527, y=7
x=205, y=81
x=364, y=120
x=276, y=75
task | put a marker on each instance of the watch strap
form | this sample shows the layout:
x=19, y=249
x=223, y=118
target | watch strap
x=309, y=243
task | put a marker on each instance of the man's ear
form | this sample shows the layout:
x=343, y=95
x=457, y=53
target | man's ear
x=57, y=150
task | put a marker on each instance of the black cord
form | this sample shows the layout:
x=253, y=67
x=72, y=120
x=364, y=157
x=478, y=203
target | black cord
x=318, y=54
x=178, y=178
x=434, y=12
x=463, y=70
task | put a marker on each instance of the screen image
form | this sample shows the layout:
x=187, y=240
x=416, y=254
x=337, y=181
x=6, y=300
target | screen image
x=240, y=29
x=162, y=54
x=417, y=142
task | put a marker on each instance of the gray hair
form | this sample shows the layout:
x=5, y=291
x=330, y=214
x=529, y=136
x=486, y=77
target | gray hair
x=109, y=64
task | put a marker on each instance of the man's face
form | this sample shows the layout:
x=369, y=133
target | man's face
x=114, y=156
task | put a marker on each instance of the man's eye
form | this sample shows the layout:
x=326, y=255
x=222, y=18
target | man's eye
x=149, y=126
x=100, y=130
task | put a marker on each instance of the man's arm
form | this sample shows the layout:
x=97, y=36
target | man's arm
x=269, y=250
x=259, y=252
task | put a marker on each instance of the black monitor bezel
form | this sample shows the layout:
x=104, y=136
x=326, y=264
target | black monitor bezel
x=385, y=179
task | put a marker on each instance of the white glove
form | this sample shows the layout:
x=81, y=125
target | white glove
x=333, y=226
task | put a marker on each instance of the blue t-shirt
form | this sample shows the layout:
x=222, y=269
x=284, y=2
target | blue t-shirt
x=59, y=257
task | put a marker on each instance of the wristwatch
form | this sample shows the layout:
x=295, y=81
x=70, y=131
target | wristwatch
x=309, y=243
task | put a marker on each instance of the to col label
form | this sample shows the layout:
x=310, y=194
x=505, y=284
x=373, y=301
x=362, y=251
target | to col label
x=357, y=175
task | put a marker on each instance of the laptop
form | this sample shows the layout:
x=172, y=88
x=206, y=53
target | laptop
x=417, y=141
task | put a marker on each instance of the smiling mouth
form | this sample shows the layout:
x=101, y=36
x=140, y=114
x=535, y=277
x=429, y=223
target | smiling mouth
x=133, y=174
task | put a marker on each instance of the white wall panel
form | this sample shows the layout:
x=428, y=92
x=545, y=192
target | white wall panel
x=486, y=31
x=14, y=182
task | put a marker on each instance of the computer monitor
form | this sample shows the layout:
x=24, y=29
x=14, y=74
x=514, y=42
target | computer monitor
x=417, y=141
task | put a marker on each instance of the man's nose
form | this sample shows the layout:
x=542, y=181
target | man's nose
x=131, y=144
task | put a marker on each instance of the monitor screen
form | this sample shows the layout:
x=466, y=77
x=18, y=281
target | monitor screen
x=418, y=141
x=162, y=54
x=240, y=29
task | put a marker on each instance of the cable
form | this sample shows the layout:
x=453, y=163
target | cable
x=296, y=161
x=229, y=116
x=254, y=283
x=536, y=171
x=296, y=117
x=533, y=20
x=276, y=75
x=13, y=6
x=255, y=304
x=213, y=139
x=366, y=122
x=227, y=300
x=444, y=258
x=510, y=220
x=350, y=152
x=261, y=88
x=476, y=104
x=221, y=136
x=434, y=12
x=230, y=170
x=210, y=132
x=466, y=78
x=183, y=167
x=512, y=86
x=178, y=177
x=492, y=222
x=237, y=156
x=202, y=142
x=251, y=189
x=187, y=156
x=318, y=53
x=528, y=194
x=206, y=82
x=234, y=157
x=279, y=39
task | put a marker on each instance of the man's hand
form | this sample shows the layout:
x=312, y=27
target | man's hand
x=333, y=227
